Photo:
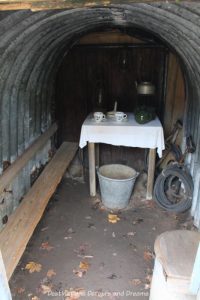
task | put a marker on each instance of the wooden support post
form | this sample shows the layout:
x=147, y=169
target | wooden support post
x=97, y=155
x=92, y=171
x=151, y=171
x=5, y=293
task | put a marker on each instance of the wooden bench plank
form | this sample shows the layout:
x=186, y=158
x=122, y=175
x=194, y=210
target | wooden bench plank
x=21, y=224
x=11, y=172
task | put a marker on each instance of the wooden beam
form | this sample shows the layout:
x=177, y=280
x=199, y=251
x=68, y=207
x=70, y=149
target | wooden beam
x=37, y=5
x=151, y=171
x=21, y=224
x=11, y=172
x=92, y=169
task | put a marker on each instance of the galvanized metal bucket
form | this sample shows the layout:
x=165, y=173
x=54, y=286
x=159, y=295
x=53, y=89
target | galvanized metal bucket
x=116, y=185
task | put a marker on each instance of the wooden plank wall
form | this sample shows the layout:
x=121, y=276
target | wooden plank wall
x=175, y=96
x=87, y=72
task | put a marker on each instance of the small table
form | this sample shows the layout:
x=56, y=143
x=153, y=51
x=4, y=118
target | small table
x=125, y=133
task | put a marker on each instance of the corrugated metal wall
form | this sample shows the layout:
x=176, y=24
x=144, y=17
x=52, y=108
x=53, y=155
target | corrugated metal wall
x=32, y=46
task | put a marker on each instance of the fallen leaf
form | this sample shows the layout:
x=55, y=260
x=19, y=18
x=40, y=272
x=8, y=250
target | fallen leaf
x=84, y=265
x=79, y=273
x=150, y=203
x=113, y=235
x=147, y=286
x=83, y=250
x=33, y=267
x=20, y=290
x=70, y=230
x=91, y=225
x=88, y=256
x=131, y=233
x=88, y=217
x=35, y=298
x=46, y=289
x=138, y=221
x=96, y=205
x=148, y=255
x=51, y=273
x=136, y=282
x=45, y=228
x=46, y=246
x=112, y=276
x=113, y=218
x=148, y=278
x=67, y=237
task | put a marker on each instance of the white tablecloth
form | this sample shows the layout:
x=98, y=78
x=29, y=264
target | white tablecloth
x=126, y=133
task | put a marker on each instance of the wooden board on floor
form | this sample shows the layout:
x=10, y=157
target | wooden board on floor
x=17, y=232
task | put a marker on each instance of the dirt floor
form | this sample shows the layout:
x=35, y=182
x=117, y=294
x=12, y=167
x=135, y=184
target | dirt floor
x=77, y=253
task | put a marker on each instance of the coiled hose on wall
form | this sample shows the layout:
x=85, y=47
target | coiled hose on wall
x=173, y=189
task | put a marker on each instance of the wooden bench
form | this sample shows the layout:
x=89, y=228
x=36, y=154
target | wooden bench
x=21, y=224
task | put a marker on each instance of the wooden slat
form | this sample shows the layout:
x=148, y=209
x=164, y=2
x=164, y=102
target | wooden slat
x=37, y=5
x=15, y=236
x=151, y=172
x=21, y=161
x=92, y=170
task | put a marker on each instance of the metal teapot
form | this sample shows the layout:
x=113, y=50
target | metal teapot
x=145, y=88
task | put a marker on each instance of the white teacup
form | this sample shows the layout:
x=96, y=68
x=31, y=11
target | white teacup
x=99, y=116
x=120, y=116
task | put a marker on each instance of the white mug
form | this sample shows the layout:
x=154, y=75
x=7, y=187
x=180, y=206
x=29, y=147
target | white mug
x=120, y=116
x=98, y=116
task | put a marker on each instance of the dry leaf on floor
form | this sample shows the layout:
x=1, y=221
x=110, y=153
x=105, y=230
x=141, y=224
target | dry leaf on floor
x=138, y=221
x=46, y=246
x=20, y=290
x=45, y=289
x=113, y=218
x=44, y=228
x=112, y=276
x=136, y=282
x=150, y=203
x=84, y=265
x=148, y=278
x=91, y=225
x=148, y=255
x=147, y=286
x=131, y=233
x=70, y=230
x=51, y=273
x=67, y=237
x=79, y=273
x=113, y=235
x=33, y=267
x=35, y=298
